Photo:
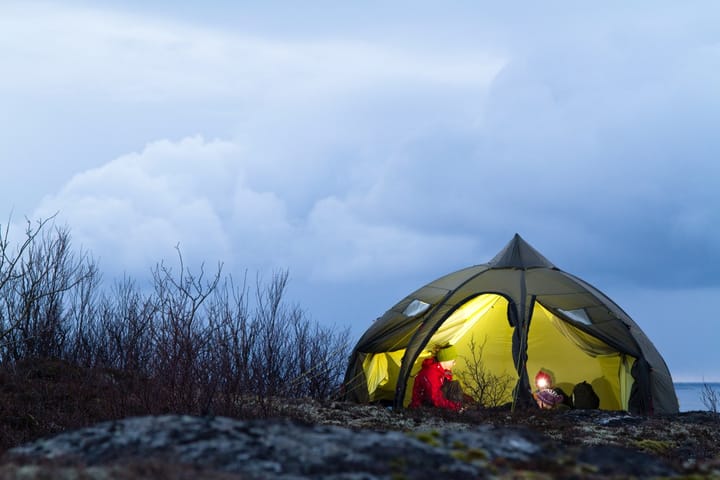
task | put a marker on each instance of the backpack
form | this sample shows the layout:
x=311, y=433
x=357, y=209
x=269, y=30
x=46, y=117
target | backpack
x=567, y=401
x=453, y=391
x=584, y=396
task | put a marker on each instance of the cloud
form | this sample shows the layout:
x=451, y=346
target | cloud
x=376, y=151
x=316, y=118
x=518, y=146
x=133, y=210
x=346, y=246
x=81, y=51
x=304, y=111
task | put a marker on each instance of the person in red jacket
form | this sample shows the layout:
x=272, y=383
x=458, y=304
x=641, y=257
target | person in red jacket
x=435, y=372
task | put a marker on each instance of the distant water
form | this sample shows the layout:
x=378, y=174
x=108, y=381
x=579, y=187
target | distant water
x=690, y=395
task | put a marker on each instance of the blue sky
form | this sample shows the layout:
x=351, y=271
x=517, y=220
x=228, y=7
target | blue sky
x=370, y=148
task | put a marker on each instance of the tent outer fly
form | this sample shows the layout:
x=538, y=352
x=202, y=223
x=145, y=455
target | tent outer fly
x=528, y=315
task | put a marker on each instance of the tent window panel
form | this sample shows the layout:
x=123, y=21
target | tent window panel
x=580, y=307
x=569, y=301
x=579, y=315
x=416, y=307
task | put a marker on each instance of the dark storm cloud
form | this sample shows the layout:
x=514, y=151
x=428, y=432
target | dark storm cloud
x=377, y=149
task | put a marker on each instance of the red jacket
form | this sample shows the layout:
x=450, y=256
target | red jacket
x=426, y=390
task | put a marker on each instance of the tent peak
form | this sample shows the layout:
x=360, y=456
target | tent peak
x=520, y=254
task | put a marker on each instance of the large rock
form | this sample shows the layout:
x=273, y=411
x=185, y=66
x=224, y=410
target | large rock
x=288, y=450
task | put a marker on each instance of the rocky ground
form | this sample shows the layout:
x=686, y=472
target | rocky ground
x=336, y=440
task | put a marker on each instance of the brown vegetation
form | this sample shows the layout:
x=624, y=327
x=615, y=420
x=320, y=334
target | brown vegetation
x=73, y=353
x=485, y=387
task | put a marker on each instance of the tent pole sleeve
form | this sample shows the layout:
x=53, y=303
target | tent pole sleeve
x=522, y=396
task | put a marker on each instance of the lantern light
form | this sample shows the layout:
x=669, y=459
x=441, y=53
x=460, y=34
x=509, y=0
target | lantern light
x=543, y=380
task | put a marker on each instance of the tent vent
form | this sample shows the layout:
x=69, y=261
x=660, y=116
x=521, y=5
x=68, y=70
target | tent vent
x=579, y=315
x=416, y=307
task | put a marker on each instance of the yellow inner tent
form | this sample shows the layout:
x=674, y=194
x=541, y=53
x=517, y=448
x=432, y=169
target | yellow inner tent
x=568, y=353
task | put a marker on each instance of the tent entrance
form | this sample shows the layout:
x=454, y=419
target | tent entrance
x=480, y=323
x=482, y=335
x=574, y=356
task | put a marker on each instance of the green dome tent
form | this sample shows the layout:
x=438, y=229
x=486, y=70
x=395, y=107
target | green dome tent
x=508, y=319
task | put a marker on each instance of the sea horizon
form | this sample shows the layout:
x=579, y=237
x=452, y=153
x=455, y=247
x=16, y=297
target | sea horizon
x=690, y=395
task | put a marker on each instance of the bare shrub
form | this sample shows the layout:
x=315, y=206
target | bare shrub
x=233, y=336
x=320, y=357
x=10, y=275
x=35, y=282
x=122, y=337
x=710, y=398
x=271, y=351
x=81, y=313
x=180, y=336
x=189, y=342
x=485, y=387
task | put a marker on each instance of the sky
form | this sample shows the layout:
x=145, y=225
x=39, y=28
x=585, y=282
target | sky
x=369, y=148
